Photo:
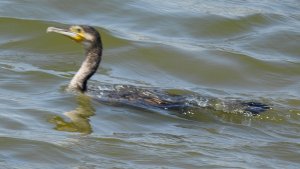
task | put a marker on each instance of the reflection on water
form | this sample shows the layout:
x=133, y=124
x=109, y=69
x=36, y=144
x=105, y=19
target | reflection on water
x=78, y=119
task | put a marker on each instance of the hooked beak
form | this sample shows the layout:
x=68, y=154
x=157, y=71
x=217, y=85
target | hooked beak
x=67, y=32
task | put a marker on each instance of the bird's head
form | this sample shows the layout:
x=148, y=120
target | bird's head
x=86, y=35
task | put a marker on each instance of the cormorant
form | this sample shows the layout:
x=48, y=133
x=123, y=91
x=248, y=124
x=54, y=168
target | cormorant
x=141, y=97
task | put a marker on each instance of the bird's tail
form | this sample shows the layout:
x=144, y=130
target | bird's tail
x=228, y=105
x=255, y=108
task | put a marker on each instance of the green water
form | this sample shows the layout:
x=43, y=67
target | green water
x=237, y=49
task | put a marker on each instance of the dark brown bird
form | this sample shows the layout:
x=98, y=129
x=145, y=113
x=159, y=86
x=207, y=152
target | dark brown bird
x=90, y=38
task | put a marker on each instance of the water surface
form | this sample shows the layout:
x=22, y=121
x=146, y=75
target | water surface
x=238, y=49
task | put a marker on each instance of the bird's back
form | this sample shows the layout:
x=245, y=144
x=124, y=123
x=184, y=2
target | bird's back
x=153, y=98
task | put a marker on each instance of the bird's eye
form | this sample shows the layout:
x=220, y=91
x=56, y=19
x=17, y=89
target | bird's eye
x=78, y=30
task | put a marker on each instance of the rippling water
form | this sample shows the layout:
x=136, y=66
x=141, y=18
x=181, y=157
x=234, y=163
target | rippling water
x=238, y=49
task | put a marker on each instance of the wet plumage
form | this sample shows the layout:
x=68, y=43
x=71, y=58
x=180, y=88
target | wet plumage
x=140, y=96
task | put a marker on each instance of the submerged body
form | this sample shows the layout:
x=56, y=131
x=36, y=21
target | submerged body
x=167, y=99
x=141, y=97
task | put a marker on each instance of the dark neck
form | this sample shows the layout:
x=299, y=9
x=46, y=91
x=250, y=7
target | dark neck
x=88, y=67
